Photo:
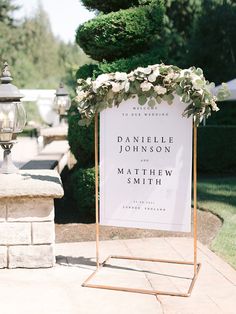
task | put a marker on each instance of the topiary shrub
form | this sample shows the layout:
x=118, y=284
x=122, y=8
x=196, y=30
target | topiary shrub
x=78, y=202
x=121, y=65
x=82, y=188
x=86, y=70
x=109, y=6
x=217, y=150
x=121, y=34
x=81, y=139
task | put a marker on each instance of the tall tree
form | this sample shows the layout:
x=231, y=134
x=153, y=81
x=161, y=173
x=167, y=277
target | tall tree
x=213, y=46
x=6, y=9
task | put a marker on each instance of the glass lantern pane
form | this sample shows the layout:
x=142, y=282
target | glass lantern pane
x=62, y=104
x=7, y=121
x=20, y=117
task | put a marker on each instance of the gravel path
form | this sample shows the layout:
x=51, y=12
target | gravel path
x=208, y=227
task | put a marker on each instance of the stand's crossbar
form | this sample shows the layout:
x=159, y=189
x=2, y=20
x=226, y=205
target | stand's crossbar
x=143, y=291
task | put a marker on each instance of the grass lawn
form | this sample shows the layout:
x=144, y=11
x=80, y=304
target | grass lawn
x=218, y=195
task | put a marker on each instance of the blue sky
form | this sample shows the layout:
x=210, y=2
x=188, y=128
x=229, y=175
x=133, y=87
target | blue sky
x=65, y=15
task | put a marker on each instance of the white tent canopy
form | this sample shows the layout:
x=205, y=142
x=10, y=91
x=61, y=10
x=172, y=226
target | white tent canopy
x=232, y=89
x=44, y=101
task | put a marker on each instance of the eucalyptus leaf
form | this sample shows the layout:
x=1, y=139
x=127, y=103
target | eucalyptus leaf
x=189, y=84
x=142, y=100
x=151, y=103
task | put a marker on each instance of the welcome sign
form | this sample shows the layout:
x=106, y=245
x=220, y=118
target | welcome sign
x=146, y=166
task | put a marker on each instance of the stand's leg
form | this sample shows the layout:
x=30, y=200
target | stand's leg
x=195, y=198
x=96, y=188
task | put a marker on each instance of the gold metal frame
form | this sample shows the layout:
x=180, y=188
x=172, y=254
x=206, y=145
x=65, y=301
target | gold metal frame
x=196, y=265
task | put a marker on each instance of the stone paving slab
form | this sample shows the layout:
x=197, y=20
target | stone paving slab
x=58, y=290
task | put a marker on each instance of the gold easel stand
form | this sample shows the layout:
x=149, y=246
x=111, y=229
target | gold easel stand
x=196, y=266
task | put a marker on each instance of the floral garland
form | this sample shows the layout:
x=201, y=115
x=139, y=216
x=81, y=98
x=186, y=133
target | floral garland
x=153, y=84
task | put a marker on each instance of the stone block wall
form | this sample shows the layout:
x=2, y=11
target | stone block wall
x=27, y=232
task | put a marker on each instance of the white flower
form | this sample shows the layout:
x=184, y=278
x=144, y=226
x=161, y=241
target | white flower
x=95, y=86
x=214, y=106
x=127, y=85
x=131, y=78
x=146, y=86
x=144, y=70
x=81, y=95
x=116, y=87
x=156, y=72
x=152, y=77
x=103, y=78
x=171, y=76
x=160, y=89
x=120, y=76
x=88, y=80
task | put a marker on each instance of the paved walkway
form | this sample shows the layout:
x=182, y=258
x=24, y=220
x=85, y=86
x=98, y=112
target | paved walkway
x=59, y=291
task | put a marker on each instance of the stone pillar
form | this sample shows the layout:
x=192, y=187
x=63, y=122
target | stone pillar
x=27, y=233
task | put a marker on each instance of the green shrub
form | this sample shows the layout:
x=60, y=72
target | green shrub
x=226, y=115
x=86, y=71
x=78, y=202
x=122, y=65
x=81, y=139
x=109, y=6
x=217, y=150
x=121, y=34
x=83, y=193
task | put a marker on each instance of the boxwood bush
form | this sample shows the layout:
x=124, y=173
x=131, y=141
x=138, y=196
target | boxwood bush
x=78, y=203
x=109, y=6
x=121, y=34
x=83, y=193
x=81, y=139
x=123, y=64
x=217, y=150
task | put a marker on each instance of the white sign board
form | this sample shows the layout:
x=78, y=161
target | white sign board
x=146, y=166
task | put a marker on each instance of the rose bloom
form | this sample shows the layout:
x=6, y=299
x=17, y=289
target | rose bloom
x=116, y=87
x=152, y=77
x=144, y=70
x=160, y=90
x=120, y=76
x=146, y=86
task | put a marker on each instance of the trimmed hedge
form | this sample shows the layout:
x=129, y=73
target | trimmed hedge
x=110, y=5
x=121, y=34
x=122, y=65
x=217, y=150
x=226, y=115
x=78, y=202
x=83, y=193
x=81, y=139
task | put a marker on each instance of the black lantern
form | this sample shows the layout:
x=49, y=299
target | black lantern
x=62, y=101
x=12, y=118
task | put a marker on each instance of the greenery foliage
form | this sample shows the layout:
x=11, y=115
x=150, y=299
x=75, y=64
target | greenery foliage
x=226, y=116
x=179, y=20
x=81, y=139
x=217, y=150
x=37, y=58
x=151, y=85
x=83, y=193
x=214, y=48
x=109, y=6
x=121, y=65
x=120, y=34
x=6, y=9
x=78, y=202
